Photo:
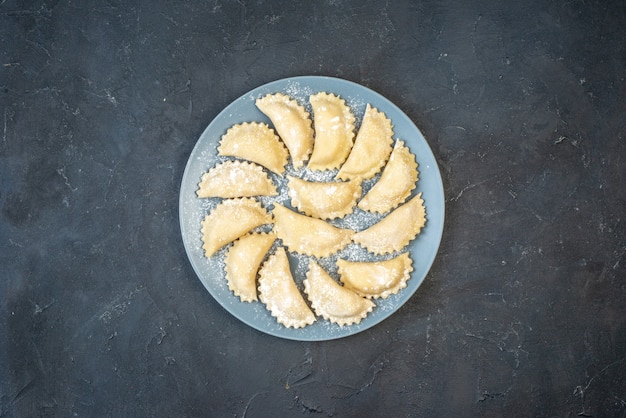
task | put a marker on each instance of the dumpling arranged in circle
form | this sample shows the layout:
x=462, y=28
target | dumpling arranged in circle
x=332, y=301
x=232, y=179
x=334, y=131
x=255, y=142
x=324, y=200
x=371, y=148
x=306, y=235
x=293, y=124
x=230, y=220
x=395, y=184
x=279, y=293
x=395, y=230
x=242, y=262
x=376, y=279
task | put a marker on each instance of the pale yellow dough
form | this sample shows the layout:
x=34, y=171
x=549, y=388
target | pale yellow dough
x=334, y=131
x=231, y=219
x=376, y=279
x=255, y=142
x=236, y=179
x=324, y=200
x=326, y=139
x=279, y=293
x=371, y=148
x=293, y=124
x=242, y=263
x=395, y=184
x=396, y=230
x=331, y=301
x=310, y=236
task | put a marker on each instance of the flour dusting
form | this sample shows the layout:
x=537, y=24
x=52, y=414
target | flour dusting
x=357, y=220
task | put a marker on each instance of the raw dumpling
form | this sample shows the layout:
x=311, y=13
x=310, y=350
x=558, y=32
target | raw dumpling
x=372, y=146
x=242, y=263
x=395, y=184
x=292, y=123
x=311, y=236
x=279, y=292
x=236, y=179
x=332, y=301
x=334, y=131
x=396, y=230
x=255, y=142
x=229, y=220
x=324, y=200
x=376, y=279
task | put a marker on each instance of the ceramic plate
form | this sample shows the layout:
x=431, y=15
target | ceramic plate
x=204, y=156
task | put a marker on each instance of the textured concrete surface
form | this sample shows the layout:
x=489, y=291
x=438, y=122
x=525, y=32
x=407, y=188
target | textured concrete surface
x=522, y=314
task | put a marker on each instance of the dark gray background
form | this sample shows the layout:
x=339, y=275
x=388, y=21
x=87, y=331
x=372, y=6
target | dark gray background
x=522, y=314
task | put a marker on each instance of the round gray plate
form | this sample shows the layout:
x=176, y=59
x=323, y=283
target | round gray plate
x=204, y=156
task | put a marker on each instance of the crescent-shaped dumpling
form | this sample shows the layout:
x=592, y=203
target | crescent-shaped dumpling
x=255, y=142
x=293, y=124
x=236, y=179
x=395, y=184
x=372, y=146
x=324, y=200
x=395, y=230
x=242, y=263
x=279, y=292
x=334, y=131
x=229, y=220
x=332, y=301
x=376, y=279
x=310, y=236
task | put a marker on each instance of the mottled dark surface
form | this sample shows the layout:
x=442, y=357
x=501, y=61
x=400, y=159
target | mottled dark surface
x=522, y=314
